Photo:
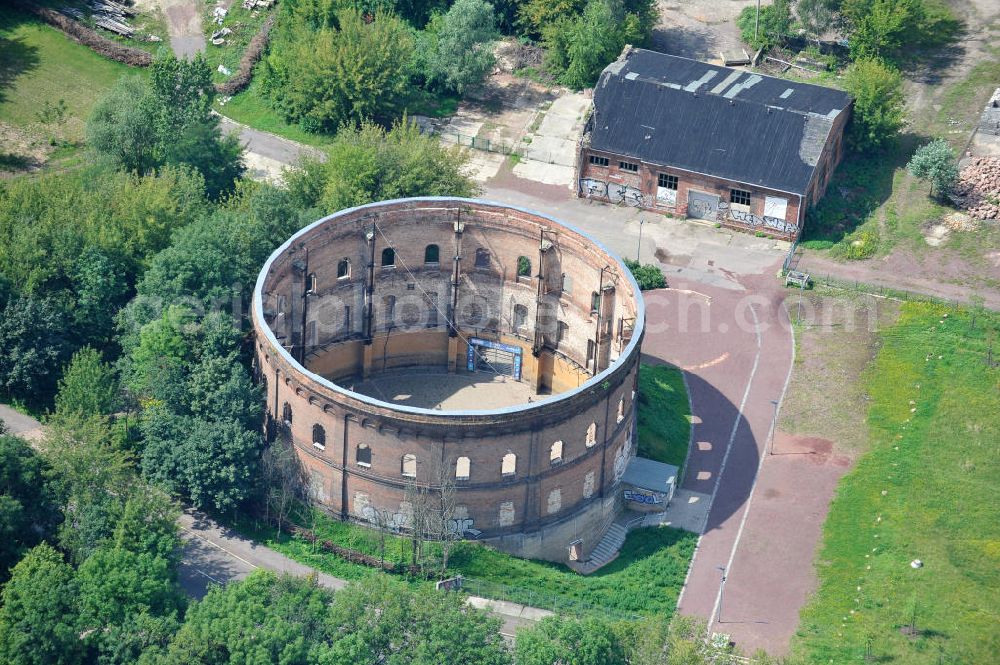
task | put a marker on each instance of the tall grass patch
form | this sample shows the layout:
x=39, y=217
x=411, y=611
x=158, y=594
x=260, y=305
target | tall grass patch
x=926, y=491
x=664, y=414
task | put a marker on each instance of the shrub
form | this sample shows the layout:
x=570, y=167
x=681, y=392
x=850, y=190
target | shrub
x=648, y=276
x=773, y=29
x=861, y=244
x=935, y=163
x=241, y=79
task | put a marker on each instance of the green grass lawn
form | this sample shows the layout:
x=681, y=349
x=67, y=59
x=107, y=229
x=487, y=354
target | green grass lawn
x=927, y=490
x=664, y=414
x=644, y=580
x=39, y=65
x=250, y=108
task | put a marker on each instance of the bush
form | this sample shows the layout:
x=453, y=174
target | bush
x=648, y=276
x=241, y=79
x=861, y=244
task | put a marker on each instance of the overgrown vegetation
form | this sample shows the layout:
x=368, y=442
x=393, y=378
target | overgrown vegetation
x=648, y=276
x=644, y=580
x=664, y=414
x=768, y=30
x=917, y=495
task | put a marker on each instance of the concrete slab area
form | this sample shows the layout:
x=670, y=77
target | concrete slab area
x=688, y=510
x=546, y=173
x=448, y=391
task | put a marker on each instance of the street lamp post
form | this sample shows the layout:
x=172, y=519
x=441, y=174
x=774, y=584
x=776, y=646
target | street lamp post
x=756, y=22
x=722, y=589
x=774, y=425
x=639, y=248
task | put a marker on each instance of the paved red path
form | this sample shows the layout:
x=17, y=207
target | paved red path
x=737, y=353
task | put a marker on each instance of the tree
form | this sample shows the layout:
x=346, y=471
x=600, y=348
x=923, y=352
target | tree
x=100, y=286
x=38, y=615
x=369, y=164
x=92, y=476
x=935, y=163
x=115, y=583
x=356, y=72
x=282, y=481
x=219, y=389
x=88, y=386
x=878, y=114
x=462, y=55
x=262, y=619
x=383, y=621
x=33, y=348
x=142, y=125
x=534, y=15
x=816, y=16
x=568, y=642
x=579, y=46
x=211, y=463
x=772, y=28
x=121, y=126
x=29, y=510
x=879, y=27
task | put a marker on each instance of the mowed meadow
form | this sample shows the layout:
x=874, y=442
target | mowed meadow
x=927, y=490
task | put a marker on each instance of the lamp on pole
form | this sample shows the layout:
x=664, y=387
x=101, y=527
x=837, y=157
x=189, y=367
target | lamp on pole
x=639, y=248
x=722, y=588
x=756, y=22
x=774, y=424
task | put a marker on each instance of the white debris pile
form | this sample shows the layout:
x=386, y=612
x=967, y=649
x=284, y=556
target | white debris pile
x=978, y=189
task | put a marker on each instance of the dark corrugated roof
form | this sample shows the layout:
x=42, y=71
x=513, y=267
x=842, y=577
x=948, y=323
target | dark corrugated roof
x=715, y=120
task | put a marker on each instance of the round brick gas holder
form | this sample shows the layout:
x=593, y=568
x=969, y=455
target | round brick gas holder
x=409, y=342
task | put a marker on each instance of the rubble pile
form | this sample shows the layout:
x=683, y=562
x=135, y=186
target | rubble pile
x=978, y=189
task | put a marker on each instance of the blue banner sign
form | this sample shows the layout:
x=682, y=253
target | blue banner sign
x=470, y=360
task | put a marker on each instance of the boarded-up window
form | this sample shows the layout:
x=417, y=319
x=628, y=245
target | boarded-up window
x=432, y=254
x=556, y=453
x=555, y=501
x=482, y=258
x=591, y=434
x=509, y=465
x=588, y=485
x=775, y=206
x=506, y=514
x=408, y=465
x=462, y=468
x=621, y=409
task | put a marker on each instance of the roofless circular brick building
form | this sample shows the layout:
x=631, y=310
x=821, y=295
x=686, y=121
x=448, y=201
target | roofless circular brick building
x=415, y=341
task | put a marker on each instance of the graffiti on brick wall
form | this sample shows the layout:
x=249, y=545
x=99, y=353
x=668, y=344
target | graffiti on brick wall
x=768, y=223
x=614, y=192
x=643, y=496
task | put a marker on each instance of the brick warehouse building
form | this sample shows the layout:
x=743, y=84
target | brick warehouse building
x=440, y=292
x=696, y=140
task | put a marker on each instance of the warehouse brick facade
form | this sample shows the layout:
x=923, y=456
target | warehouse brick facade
x=407, y=287
x=694, y=140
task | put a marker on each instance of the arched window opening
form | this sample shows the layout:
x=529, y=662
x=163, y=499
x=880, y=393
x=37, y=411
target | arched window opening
x=556, y=453
x=388, y=257
x=432, y=254
x=523, y=266
x=363, y=455
x=520, y=316
x=319, y=437
x=389, y=307
x=286, y=413
x=408, y=466
x=509, y=466
x=312, y=284
x=591, y=434
x=462, y=467
x=595, y=302
x=482, y=258
x=621, y=409
x=344, y=269
x=562, y=331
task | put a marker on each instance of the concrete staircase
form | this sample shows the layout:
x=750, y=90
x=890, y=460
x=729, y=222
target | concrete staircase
x=607, y=549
